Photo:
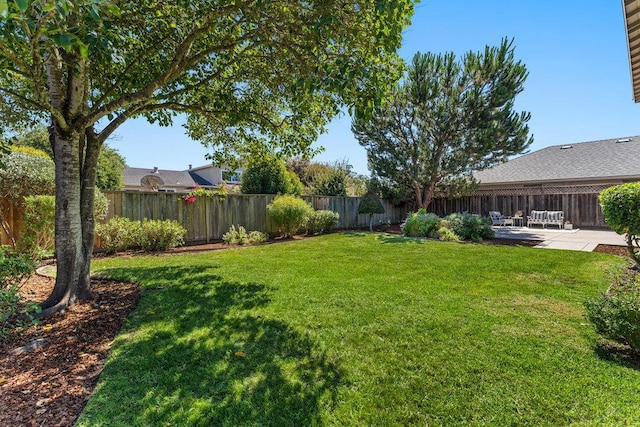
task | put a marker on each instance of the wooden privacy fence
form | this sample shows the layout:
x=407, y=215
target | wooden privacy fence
x=11, y=218
x=208, y=219
x=579, y=204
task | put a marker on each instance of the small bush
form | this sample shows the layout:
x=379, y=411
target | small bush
x=470, y=227
x=235, y=236
x=421, y=224
x=615, y=314
x=620, y=206
x=447, y=235
x=288, y=213
x=119, y=234
x=240, y=236
x=15, y=270
x=321, y=221
x=157, y=235
x=38, y=224
x=16, y=313
x=257, y=237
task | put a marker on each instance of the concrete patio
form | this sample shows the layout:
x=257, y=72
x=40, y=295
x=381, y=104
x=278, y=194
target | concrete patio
x=577, y=240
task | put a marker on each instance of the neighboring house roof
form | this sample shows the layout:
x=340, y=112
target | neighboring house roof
x=587, y=161
x=143, y=177
x=632, y=25
x=199, y=180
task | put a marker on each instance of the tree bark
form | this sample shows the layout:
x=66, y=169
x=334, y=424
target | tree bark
x=68, y=229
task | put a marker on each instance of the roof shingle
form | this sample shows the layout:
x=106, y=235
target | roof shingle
x=606, y=159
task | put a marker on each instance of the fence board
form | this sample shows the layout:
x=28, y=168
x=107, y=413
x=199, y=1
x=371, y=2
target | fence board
x=583, y=210
x=209, y=218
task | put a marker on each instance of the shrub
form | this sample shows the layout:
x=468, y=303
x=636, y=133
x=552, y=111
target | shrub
x=100, y=205
x=470, y=227
x=15, y=270
x=321, y=221
x=615, y=314
x=421, y=224
x=267, y=174
x=235, y=236
x=15, y=312
x=288, y=213
x=621, y=207
x=240, y=236
x=38, y=223
x=257, y=236
x=119, y=234
x=446, y=234
x=370, y=204
x=157, y=235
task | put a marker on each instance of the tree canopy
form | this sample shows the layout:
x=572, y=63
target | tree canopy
x=446, y=119
x=267, y=174
x=23, y=173
x=111, y=164
x=247, y=73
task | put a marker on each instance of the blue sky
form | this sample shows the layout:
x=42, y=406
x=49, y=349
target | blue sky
x=579, y=87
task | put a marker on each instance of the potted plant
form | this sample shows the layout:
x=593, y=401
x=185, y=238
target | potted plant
x=568, y=225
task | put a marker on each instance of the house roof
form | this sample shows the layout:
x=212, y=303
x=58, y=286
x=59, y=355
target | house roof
x=133, y=177
x=586, y=161
x=632, y=25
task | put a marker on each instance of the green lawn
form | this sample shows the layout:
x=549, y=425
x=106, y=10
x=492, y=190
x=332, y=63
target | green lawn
x=363, y=329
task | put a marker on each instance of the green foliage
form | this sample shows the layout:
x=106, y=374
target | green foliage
x=421, y=224
x=15, y=270
x=263, y=75
x=119, y=234
x=470, y=227
x=332, y=180
x=100, y=205
x=615, y=314
x=111, y=164
x=267, y=174
x=31, y=151
x=36, y=137
x=447, y=119
x=160, y=235
x=321, y=221
x=110, y=169
x=370, y=204
x=621, y=207
x=446, y=234
x=38, y=224
x=16, y=313
x=288, y=213
x=240, y=236
x=25, y=175
x=200, y=192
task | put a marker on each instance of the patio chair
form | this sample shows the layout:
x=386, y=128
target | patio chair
x=498, y=219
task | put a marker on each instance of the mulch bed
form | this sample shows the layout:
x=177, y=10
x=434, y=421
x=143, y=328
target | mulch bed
x=49, y=385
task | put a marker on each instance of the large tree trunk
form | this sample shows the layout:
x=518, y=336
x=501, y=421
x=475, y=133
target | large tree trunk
x=428, y=195
x=68, y=229
x=76, y=162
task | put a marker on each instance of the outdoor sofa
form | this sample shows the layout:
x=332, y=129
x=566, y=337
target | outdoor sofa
x=545, y=218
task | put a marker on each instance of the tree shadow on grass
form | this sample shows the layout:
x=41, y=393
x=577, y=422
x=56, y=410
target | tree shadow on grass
x=199, y=351
x=395, y=239
x=617, y=353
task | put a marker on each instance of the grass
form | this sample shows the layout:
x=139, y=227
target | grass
x=363, y=329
